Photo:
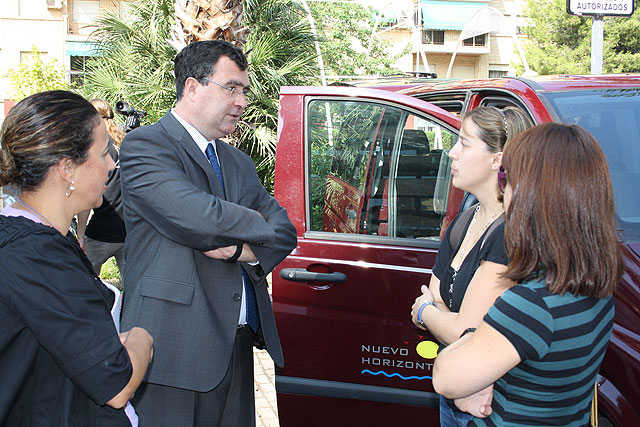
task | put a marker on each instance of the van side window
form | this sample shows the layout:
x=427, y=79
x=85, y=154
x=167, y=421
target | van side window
x=377, y=170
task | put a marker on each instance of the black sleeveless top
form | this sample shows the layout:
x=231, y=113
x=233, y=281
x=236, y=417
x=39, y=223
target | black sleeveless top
x=490, y=248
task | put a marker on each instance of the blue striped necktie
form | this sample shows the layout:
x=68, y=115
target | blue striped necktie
x=253, y=319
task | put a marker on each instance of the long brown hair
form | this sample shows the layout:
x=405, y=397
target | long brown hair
x=561, y=221
x=106, y=112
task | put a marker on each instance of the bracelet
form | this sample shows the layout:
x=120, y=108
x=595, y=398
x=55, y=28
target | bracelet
x=466, y=331
x=235, y=256
x=422, y=307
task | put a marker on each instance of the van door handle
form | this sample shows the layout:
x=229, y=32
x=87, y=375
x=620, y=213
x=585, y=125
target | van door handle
x=302, y=275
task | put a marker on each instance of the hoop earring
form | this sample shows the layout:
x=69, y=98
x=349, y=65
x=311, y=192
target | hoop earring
x=70, y=189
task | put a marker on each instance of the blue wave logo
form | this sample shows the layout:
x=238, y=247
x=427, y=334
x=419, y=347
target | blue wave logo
x=366, y=371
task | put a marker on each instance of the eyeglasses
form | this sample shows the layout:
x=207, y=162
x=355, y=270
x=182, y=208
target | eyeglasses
x=502, y=179
x=232, y=89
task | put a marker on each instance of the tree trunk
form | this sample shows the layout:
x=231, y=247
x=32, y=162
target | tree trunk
x=208, y=20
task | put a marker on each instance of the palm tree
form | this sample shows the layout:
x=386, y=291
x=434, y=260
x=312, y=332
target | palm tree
x=281, y=52
x=136, y=54
x=209, y=20
x=134, y=61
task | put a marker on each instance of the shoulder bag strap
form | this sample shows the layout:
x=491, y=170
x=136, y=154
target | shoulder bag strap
x=455, y=237
x=496, y=223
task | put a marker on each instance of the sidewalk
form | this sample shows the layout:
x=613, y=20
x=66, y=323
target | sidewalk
x=265, y=385
x=265, y=390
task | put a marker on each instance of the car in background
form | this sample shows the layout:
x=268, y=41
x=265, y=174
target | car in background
x=365, y=177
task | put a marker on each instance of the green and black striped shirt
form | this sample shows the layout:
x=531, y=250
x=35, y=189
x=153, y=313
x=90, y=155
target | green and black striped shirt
x=561, y=340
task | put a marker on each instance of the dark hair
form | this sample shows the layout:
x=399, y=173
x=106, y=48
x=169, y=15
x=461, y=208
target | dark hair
x=198, y=60
x=41, y=130
x=497, y=127
x=561, y=220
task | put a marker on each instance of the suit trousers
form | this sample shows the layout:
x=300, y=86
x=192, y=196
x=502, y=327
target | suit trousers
x=230, y=404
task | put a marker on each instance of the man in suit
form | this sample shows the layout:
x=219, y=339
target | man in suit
x=202, y=233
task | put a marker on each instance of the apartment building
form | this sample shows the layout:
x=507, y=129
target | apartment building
x=433, y=28
x=60, y=28
x=57, y=28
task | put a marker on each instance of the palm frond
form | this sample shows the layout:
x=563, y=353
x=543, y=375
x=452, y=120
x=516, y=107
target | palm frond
x=135, y=64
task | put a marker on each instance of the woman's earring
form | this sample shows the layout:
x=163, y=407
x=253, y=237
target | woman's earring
x=70, y=189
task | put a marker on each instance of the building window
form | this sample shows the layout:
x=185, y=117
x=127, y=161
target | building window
x=432, y=37
x=85, y=11
x=77, y=70
x=475, y=41
x=496, y=74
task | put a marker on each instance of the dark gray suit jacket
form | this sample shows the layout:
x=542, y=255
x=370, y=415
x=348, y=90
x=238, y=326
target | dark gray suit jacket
x=175, y=210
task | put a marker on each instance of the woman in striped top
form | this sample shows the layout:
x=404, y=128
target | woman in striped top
x=536, y=355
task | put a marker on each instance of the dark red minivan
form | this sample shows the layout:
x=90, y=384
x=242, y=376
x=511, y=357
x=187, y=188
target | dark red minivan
x=365, y=176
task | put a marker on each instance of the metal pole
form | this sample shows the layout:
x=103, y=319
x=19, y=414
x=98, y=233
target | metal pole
x=596, y=44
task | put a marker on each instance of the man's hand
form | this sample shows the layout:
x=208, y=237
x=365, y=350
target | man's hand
x=221, y=253
x=478, y=404
x=227, y=252
x=247, y=254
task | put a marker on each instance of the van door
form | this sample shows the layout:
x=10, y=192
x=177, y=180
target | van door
x=373, y=168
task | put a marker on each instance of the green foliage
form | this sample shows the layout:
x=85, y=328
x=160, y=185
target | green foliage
x=35, y=75
x=136, y=65
x=561, y=43
x=134, y=61
x=340, y=146
x=281, y=53
x=448, y=139
x=345, y=30
x=110, y=271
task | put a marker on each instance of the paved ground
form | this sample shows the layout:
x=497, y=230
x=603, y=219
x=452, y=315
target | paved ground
x=264, y=376
x=265, y=386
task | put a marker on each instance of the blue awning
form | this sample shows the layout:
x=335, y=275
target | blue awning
x=75, y=48
x=388, y=16
x=448, y=15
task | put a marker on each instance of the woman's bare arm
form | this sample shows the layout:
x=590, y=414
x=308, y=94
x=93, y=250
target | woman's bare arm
x=485, y=286
x=139, y=345
x=473, y=363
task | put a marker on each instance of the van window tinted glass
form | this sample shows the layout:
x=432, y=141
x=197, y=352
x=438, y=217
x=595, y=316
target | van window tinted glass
x=613, y=118
x=377, y=170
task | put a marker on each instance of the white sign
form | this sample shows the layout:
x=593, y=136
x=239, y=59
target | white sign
x=600, y=7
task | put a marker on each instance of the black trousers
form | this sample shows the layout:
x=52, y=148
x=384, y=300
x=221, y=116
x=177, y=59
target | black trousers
x=230, y=404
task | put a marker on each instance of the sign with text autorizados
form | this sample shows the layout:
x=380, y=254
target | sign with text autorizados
x=600, y=7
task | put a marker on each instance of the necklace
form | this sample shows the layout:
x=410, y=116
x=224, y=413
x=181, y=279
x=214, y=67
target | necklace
x=35, y=212
x=475, y=213
x=470, y=244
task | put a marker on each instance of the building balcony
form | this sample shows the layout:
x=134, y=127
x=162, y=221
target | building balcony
x=450, y=47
